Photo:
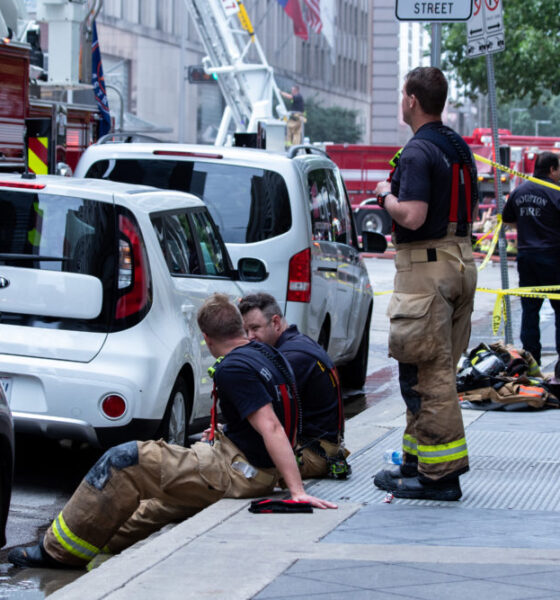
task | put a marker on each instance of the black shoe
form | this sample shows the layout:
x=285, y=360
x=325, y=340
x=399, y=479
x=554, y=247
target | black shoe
x=413, y=487
x=34, y=556
x=387, y=478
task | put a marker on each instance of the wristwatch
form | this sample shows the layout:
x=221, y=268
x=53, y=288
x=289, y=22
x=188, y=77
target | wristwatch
x=381, y=198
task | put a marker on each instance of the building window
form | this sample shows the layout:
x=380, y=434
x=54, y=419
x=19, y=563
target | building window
x=130, y=11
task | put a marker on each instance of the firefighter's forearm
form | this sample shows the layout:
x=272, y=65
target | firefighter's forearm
x=411, y=214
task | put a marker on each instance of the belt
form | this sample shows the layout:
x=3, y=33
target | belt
x=422, y=255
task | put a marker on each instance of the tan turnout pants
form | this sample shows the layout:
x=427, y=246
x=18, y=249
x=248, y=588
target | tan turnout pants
x=430, y=313
x=130, y=480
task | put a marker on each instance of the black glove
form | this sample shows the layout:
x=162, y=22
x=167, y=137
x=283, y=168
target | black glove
x=268, y=505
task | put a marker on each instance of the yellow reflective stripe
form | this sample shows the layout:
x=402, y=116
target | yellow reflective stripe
x=410, y=444
x=442, y=447
x=440, y=459
x=439, y=453
x=71, y=542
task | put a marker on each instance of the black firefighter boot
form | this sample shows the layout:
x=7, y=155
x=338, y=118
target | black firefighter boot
x=387, y=478
x=36, y=557
x=419, y=488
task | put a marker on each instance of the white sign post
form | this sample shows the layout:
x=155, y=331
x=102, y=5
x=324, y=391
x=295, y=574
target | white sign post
x=485, y=36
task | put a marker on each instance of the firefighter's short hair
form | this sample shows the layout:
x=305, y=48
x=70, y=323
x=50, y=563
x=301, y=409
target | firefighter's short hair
x=220, y=319
x=545, y=161
x=429, y=86
x=264, y=302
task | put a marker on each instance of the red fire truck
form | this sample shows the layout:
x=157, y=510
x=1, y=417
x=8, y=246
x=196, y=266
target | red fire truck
x=37, y=133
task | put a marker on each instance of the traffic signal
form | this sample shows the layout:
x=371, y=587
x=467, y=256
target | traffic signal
x=197, y=74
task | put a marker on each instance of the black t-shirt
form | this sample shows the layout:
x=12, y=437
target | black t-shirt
x=247, y=380
x=318, y=389
x=424, y=173
x=536, y=211
x=297, y=103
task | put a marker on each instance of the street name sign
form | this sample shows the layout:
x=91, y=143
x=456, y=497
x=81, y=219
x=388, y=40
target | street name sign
x=485, y=29
x=433, y=10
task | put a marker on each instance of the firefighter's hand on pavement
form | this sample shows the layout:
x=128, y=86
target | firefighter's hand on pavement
x=316, y=502
x=382, y=186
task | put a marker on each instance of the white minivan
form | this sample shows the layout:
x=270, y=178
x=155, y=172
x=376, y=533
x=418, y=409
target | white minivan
x=290, y=210
x=100, y=284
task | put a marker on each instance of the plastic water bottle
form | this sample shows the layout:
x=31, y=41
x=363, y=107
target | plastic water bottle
x=393, y=457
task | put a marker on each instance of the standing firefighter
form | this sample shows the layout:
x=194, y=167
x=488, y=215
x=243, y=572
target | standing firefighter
x=535, y=210
x=320, y=451
x=431, y=198
x=255, y=389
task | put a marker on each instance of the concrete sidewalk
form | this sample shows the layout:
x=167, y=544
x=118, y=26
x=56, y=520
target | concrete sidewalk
x=501, y=540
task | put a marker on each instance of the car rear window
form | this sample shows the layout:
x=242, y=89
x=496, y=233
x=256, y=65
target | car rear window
x=247, y=204
x=58, y=233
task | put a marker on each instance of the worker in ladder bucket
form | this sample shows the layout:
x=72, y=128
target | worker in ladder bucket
x=244, y=459
x=296, y=118
x=431, y=198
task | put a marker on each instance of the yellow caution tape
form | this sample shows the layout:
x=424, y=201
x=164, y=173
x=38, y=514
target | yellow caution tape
x=499, y=312
x=487, y=161
x=495, y=232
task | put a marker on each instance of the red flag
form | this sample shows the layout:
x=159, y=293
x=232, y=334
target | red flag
x=293, y=10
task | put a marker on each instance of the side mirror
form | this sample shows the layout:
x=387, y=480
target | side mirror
x=373, y=242
x=251, y=269
x=63, y=169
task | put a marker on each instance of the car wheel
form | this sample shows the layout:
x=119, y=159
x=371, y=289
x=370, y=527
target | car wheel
x=374, y=220
x=175, y=423
x=324, y=336
x=353, y=374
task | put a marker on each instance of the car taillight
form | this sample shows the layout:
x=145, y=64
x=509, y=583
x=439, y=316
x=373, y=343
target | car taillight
x=299, y=277
x=113, y=406
x=133, y=270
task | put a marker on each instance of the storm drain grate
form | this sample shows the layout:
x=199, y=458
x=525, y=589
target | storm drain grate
x=509, y=469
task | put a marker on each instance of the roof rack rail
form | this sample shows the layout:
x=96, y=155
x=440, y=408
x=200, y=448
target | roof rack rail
x=305, y=149
x=126, y=137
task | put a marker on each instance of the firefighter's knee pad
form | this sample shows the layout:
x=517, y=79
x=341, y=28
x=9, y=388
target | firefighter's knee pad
x=119, y=457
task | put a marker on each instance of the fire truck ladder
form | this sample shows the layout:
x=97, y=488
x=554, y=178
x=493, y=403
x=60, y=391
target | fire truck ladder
x=248, y=88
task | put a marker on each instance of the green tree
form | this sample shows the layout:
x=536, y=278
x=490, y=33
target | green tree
x=332, y=124
x=528, y=68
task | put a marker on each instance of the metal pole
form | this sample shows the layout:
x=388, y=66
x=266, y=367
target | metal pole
x=182, y=67
x=121, y=110
x=435, y=47
x=498, y=191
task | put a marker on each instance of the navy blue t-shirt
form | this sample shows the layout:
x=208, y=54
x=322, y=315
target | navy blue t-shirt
x=297, y=103
x=247, y=380
x=536, y=211
x=318, y=389
x=424, y=173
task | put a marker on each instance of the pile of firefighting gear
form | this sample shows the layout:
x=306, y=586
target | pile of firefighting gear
x=501, y=377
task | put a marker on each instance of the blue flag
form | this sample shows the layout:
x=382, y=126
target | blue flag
x=98, y=82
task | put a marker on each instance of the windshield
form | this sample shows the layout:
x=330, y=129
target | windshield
x=247, y=204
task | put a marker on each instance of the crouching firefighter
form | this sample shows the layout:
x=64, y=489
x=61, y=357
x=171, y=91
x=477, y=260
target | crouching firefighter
x=258, y=402
x=431, y=198
x=320, y=451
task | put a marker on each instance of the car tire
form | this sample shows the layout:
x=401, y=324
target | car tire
x=174, y=427
x=353, y=374
x=373, y=220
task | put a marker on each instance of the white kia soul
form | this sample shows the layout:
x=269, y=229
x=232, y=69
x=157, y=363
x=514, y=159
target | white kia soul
x=292, y=211
x=100, y=283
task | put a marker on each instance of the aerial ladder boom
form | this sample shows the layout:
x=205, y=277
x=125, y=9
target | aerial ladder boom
x=248, y=86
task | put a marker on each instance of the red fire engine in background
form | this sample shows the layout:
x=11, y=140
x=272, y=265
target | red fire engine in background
x=363, y=166
x=34, y=132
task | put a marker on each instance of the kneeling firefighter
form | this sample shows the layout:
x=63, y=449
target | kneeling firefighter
x=320, y=450
x=432, y=197
x=257, y=398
